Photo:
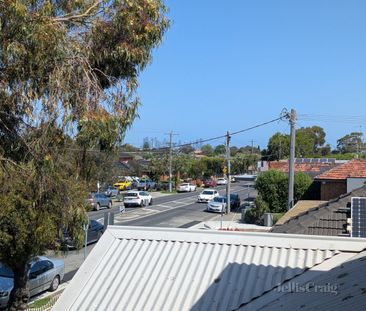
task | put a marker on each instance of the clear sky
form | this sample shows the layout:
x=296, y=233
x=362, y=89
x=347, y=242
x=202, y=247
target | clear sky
x=229, y=65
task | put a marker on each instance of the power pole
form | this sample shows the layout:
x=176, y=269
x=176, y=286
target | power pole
x=170, y=158
x=252, y=141
x=228, y=164
x=291, y=164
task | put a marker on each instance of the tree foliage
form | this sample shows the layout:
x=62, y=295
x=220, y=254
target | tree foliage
x=309, y=143
x=350, y=143
x=272, y=186
x=207, y=150
x=242, y=162
x=220, y=150
x=255, y=215
x=68, y=72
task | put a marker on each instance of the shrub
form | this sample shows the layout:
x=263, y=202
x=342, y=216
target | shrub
x=272, y=187
x=255, y=214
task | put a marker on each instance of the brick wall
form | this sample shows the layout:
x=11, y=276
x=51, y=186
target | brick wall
x=332, y=189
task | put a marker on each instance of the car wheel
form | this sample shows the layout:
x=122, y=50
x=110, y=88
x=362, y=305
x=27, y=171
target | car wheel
x=55, y=283
x=97, y=208
x=151, y=201
x=110, y=204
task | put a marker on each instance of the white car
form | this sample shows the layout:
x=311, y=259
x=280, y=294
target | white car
x=221, y=181
x=218, y=205
x=186, y=187
x=137, y=198
x=207, y=195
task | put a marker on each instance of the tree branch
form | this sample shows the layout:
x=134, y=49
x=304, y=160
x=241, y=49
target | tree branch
x=67, y=18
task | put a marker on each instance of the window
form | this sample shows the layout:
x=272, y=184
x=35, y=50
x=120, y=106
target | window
x=5, y=271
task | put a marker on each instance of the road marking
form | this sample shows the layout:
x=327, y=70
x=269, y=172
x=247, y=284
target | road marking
x=181, y=203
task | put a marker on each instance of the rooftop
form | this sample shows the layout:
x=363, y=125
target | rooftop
x=311, y=168
x=325, y=219
x=138, y=268
x=300, y=207
x=355, y=168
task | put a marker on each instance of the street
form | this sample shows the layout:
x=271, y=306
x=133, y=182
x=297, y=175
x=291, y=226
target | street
x=179, y=210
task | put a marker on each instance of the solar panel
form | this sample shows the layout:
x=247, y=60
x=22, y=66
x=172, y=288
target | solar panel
x=358, y=216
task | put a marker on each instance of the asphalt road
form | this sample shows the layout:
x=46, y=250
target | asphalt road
x=177, y=210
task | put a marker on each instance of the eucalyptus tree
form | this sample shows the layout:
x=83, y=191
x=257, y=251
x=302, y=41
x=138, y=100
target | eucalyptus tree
x=68, y=71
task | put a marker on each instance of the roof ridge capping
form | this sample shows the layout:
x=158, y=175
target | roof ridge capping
x=255, y=239
x=345, y=170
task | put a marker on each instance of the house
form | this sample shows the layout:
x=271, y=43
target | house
x=133, y=164
x=342, y=179
x=139, y=268
x=319, y=218
x=310, y=166
x=198, y=154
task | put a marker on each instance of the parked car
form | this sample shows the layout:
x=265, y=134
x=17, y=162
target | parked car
x=137, y=198
x=163, y=185
x=248, y=204
x=123, y=184
x=207, y=195
x=221, y=181
x=186, y=187
x=44, y=274
x=95, y=231
x=111, y=192
x=209, y=183
x=218, y=204
x=235, y=201
x=98, y=201
x=146, y=184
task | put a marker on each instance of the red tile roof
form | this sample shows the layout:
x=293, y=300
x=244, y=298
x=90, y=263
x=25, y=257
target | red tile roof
x=301, y=167
x=355, y=168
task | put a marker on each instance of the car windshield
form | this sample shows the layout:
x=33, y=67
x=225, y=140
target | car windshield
x=220, y=199
x=233, y=196
x=184, y=185
x=5, y=271
x=131, y=194
x=208, y=192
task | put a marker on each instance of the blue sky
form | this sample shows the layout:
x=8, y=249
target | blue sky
x=229, y=65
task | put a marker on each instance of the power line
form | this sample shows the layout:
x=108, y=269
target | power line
x=283, y=115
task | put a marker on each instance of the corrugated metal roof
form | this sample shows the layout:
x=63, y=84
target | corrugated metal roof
x=342, y=288
x=134, y=268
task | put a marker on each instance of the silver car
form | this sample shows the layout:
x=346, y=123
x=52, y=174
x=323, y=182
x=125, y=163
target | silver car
x=44, y=274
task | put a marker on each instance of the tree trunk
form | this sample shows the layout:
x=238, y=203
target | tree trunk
x=20, y=294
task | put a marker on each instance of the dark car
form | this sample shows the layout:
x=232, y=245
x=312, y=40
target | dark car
x=163, y=185
x=111, y=191
x=146, y=184
x=209, y=183
x=95, y=231
x=234, y=200
x=98, y=201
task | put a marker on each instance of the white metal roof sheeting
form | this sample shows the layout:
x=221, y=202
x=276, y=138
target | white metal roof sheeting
x=160, y=269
